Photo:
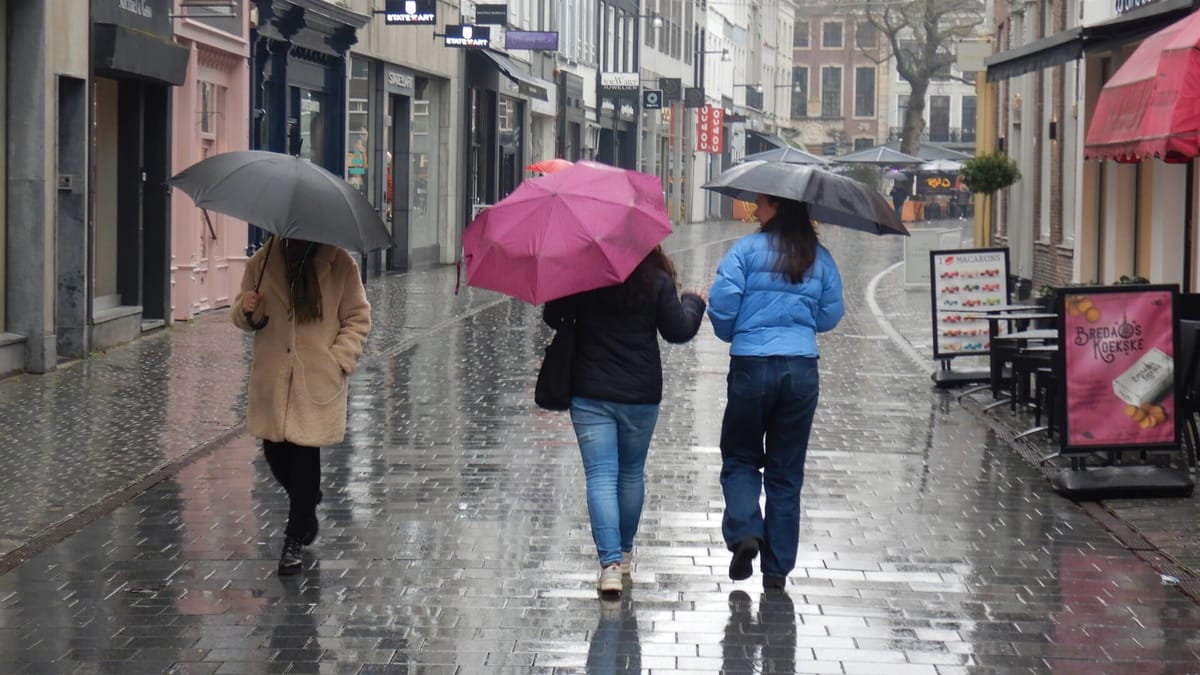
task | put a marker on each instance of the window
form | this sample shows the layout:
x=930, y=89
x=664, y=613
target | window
x=799, y=92
x=939, y=119
x=831, y=92
x=864, y=92
x=865, y=35
x=800, y=35
x=863, y=144
x=831, y=35
x=901, y=108
x=968, y=119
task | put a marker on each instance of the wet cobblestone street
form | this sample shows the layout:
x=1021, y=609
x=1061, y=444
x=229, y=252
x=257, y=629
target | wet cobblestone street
x=454, y=534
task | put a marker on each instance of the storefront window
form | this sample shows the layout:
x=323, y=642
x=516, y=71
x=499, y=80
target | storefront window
x=358, y=125
x=312, y=126
x=426, y=139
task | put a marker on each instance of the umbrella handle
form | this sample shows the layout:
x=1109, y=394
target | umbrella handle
x=257, y=324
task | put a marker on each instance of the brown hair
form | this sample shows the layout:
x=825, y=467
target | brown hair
x=793, y=237
x=299, y=259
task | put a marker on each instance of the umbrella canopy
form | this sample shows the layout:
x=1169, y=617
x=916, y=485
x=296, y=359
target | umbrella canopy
x=584, y=227
x=549, y=165
x=931, y=151
x=789, y=155
x=831, y=198
x=880, y=154
x=941, y=166
x=287, y=196
x=895, y=174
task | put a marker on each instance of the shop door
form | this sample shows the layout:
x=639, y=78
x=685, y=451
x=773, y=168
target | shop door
x=399, y=188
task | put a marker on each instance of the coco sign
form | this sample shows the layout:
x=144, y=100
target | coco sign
x=710, y=123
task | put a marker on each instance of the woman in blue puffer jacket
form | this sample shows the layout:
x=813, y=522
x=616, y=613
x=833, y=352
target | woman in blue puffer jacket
x=775, y=290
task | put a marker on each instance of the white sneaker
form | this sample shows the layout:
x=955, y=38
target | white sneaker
x=610, y=579
x=626, y=562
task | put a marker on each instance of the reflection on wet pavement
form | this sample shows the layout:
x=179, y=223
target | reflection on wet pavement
x=454, y=533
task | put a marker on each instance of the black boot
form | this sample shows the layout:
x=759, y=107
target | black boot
x=310, y=532
x=291, y=560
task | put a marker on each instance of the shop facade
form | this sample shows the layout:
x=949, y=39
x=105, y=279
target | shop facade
x=43, y=198
x=402, y=113
x=500, y=92
x=135, y=66
x=1137, y=215
x=298, y=73
x=211, y=112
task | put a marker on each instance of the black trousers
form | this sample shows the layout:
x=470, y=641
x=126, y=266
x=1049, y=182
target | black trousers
x=298, y=470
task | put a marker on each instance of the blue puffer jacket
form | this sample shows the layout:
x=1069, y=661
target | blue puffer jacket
x=761, y=313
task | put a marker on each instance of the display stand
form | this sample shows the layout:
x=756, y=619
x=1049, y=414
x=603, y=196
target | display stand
x=961, y=282
x=1122, y=391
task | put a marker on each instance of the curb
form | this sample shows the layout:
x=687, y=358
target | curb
x=77, y=521
x=1125, y=534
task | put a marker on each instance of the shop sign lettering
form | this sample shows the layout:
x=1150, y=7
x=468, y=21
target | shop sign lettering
x=1124, y=6
x=141, y=8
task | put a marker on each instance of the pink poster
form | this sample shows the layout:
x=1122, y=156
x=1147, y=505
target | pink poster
x=1120, y=368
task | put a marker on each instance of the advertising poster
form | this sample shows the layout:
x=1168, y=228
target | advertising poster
x=1117, y=353
x=960, y=281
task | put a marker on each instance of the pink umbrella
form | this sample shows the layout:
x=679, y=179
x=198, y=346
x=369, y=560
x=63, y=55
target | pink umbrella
x=584, y=227
x=549, y=165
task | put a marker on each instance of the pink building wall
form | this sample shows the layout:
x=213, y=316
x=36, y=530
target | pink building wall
x=207, y=256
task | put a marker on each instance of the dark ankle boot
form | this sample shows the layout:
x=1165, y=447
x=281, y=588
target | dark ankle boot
x=310, y=532
x=291, y=560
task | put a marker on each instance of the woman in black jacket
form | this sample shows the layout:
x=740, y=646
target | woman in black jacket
x=616, y=387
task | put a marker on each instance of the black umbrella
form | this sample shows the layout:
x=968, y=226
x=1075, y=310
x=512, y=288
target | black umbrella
x=831, y=198
x=287, y=196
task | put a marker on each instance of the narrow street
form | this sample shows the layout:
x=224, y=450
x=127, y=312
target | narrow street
x=454, y=534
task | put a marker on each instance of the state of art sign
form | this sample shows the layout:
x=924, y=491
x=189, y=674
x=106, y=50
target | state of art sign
x=467, y=36
x=410, y=13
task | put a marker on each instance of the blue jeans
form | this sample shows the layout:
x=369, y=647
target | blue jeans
x=614, y=439
x=764, y=441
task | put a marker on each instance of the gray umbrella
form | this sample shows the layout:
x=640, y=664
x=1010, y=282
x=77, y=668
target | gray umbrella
x=286, y=196
x=789, y=155
x=831, y=199
x=880, y=154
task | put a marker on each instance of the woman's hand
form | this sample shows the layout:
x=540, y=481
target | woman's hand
x=698, y=291
x=250, y=301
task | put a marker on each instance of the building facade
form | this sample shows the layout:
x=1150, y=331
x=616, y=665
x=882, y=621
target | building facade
x=211, y=112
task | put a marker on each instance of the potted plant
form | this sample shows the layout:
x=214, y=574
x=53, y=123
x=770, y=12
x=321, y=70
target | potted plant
x=988, y=172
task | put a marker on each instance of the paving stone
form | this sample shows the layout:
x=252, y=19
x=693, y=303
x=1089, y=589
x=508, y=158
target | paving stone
x=454, y=535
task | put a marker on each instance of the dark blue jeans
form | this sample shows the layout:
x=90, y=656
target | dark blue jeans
x=764, y=441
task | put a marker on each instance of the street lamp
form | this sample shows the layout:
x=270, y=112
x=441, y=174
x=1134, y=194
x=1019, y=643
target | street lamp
x=723, y=52
x=656, y=20
x=757, y=88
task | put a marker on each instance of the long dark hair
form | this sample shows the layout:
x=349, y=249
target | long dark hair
x=300, y=260
x=642, y=285
x=793, y=238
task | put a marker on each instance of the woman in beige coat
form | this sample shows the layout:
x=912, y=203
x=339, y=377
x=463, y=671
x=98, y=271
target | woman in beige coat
x=310, y=319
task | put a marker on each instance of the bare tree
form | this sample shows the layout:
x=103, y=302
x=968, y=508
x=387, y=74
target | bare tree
x=920, y=35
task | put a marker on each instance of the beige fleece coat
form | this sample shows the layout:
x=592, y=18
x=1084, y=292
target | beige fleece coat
x=299, y=371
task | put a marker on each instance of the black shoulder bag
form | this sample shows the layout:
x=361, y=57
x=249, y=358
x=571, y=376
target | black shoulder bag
x=553, y=388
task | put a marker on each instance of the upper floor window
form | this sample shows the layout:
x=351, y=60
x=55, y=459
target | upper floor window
x=831, y=35
x=800, y=35
x=865, y=35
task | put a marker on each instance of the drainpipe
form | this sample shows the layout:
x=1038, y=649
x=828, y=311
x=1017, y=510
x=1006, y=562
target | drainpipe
x=1188, y=201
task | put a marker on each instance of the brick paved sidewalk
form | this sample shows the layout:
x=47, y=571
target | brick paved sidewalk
x=1165, y=531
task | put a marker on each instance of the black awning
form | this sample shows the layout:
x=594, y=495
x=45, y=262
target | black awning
x=1049, y=51
x=123, y=51
x=769, y=140
x=1135, y=25
x=526, y=84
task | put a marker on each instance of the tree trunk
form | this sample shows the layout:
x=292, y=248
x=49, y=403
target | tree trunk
x=914, y=118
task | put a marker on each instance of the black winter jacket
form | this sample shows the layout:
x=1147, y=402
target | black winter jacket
x=616, y=343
